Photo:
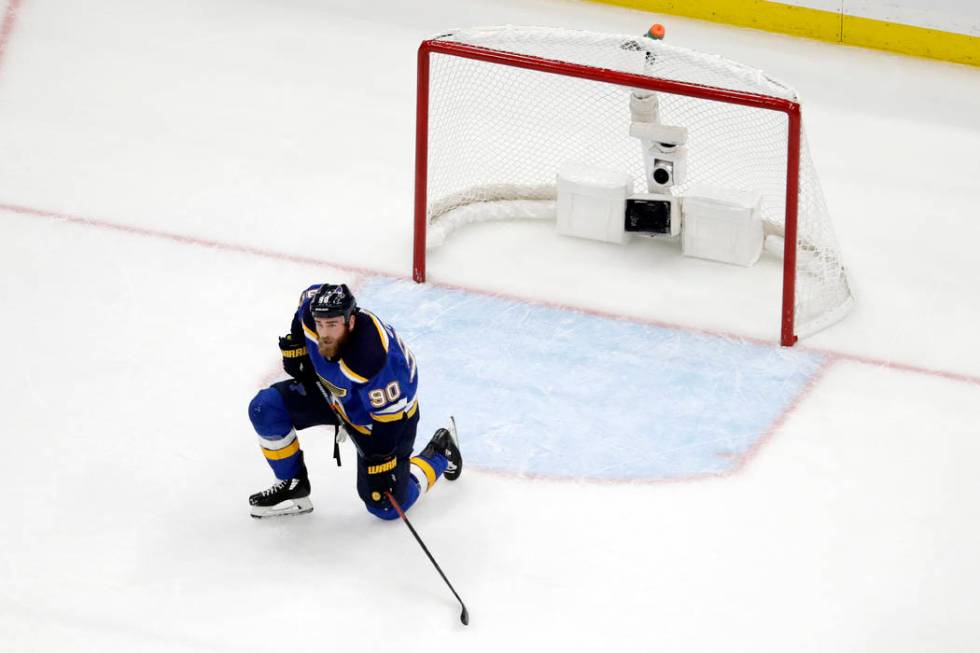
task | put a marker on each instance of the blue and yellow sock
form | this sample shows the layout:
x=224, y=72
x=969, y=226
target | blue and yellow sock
x=428, y=470
x=277, y=437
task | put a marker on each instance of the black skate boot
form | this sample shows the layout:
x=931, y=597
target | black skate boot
x=287, y=497
x=446, y=442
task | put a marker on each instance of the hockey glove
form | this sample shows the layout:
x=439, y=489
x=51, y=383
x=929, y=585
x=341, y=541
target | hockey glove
x=295, y=359
x=381, y=478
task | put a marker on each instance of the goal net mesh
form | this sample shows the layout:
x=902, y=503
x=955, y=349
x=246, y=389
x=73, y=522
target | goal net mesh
x=497, y=135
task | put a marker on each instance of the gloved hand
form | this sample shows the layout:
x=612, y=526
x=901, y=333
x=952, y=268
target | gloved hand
x=295, y=359
x=381, y=478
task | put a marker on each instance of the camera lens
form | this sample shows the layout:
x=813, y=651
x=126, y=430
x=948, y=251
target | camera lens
x=662, y=172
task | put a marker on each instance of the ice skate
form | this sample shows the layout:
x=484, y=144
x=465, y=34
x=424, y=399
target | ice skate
x=446, y=442
x=287, y=497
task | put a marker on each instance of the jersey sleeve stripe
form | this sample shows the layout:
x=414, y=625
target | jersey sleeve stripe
x=339, y=407
x=394, y=417
x=396, y=407
x=381, y=330
x=310, y=333
x=351, y=374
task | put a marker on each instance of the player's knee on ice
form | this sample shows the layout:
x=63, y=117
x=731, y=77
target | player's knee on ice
x=415, y=477
x=406, y=488
x=407, y=493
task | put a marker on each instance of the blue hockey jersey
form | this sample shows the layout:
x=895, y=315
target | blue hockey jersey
x=371, y=382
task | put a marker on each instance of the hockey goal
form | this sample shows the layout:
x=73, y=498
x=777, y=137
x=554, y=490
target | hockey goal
x=500, y=108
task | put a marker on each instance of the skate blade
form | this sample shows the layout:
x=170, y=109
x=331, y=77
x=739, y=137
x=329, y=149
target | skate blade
x=285, y=509
x=453, y=471
x=452, y=430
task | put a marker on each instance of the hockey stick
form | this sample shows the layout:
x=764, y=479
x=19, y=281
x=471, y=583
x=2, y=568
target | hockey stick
x=465, y=616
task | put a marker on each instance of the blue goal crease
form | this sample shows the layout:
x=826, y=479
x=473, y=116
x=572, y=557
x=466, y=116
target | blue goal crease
x=546, y=391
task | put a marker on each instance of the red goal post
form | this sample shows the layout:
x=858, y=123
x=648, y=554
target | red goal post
x=509, y=59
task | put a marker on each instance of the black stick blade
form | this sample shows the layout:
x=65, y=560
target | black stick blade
x=465, y=617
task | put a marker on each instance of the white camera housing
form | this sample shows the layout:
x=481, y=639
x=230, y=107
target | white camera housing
x=664, y=154
x=591, y=202
x=722, y=224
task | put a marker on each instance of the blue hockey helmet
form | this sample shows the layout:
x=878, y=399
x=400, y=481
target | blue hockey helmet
x=333, y=301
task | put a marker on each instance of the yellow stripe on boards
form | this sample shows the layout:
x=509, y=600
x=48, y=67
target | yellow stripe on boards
x=908, y=39
x=759, y=14
x=285, y=452
x=818, y=24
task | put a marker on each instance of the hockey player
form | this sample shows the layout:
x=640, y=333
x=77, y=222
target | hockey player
x=352, y=371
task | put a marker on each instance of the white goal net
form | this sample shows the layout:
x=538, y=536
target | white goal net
x=502, y=108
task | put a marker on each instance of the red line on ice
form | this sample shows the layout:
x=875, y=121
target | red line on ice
x=7, y=28
x=186, y=240
x=790, y=408
x=832, y=356
x=900, y=367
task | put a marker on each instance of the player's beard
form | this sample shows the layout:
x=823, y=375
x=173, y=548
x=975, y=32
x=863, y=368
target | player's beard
x=329, y=348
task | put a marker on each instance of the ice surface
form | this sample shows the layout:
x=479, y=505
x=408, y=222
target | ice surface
x=216, y=155
x=545, y=391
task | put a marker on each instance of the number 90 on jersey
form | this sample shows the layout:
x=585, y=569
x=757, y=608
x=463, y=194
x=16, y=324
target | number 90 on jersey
x=379, y=397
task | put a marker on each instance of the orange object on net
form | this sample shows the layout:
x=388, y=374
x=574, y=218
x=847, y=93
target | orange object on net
x=656, y=31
